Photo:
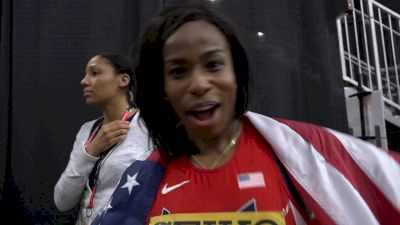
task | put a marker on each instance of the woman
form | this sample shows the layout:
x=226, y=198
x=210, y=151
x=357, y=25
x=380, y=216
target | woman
x=230, y=166
x=105, y=147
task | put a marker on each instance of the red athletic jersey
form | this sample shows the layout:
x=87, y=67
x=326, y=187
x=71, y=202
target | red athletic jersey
x=249, y=182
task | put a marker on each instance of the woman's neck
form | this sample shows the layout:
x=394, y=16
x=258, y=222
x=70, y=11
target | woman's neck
x=219, y=144
x=115, y=110
x=217, y=151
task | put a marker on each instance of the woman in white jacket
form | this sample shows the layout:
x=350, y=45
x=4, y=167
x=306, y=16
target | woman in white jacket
x=106, y=146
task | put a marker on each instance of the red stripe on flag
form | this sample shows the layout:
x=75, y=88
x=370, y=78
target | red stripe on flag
x=324, y=142
x=158, y=156
x=321, y=217
x=395, y=155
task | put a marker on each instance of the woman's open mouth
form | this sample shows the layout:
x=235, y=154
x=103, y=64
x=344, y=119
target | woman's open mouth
x=203, y=113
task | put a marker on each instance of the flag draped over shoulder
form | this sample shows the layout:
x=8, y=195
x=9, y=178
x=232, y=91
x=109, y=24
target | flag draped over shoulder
x=132, y=199
x=341, y=179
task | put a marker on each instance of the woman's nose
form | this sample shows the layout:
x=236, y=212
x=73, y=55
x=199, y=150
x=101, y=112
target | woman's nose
x=84, y=81
x=199, y=82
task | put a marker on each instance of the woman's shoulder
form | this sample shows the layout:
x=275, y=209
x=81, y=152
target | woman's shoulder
x=306, y=129
x=310, y=132
x=88, y=125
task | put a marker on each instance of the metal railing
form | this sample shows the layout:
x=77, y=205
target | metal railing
x=369, y=45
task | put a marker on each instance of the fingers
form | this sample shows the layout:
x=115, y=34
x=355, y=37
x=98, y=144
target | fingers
x=117, y=135
x=121, y=137
x=115, y=125
x=114, y=130
x=110, y=134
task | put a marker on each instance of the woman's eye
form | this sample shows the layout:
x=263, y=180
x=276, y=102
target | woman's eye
x=214, y=65
x=177, y=72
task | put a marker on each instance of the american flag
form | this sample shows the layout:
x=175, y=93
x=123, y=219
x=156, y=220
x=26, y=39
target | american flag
x=250, y=180
x=134, y=195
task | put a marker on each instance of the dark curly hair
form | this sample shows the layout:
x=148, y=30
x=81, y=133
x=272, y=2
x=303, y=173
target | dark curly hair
x=160, y=118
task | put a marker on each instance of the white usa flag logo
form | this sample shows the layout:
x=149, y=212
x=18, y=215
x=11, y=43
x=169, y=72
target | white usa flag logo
x=250, y=180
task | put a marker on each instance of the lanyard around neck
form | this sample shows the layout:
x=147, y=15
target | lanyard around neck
x=103, y=157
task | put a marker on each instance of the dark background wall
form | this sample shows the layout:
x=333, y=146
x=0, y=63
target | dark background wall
x=46, y=43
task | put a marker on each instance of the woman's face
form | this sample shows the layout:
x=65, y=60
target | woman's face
x=100, y=83
x=199, y=79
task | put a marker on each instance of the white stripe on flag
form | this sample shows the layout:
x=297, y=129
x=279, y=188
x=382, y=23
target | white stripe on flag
x=376, y=164
x=333, y=192
x=250, y=180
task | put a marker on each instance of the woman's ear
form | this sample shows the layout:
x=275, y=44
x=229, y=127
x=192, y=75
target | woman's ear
x=124, y=80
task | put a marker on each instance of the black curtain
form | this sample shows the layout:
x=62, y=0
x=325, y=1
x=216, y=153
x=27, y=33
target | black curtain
x=295, y=63
x=295, y=73
x=6, y=189
x=45, y=45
